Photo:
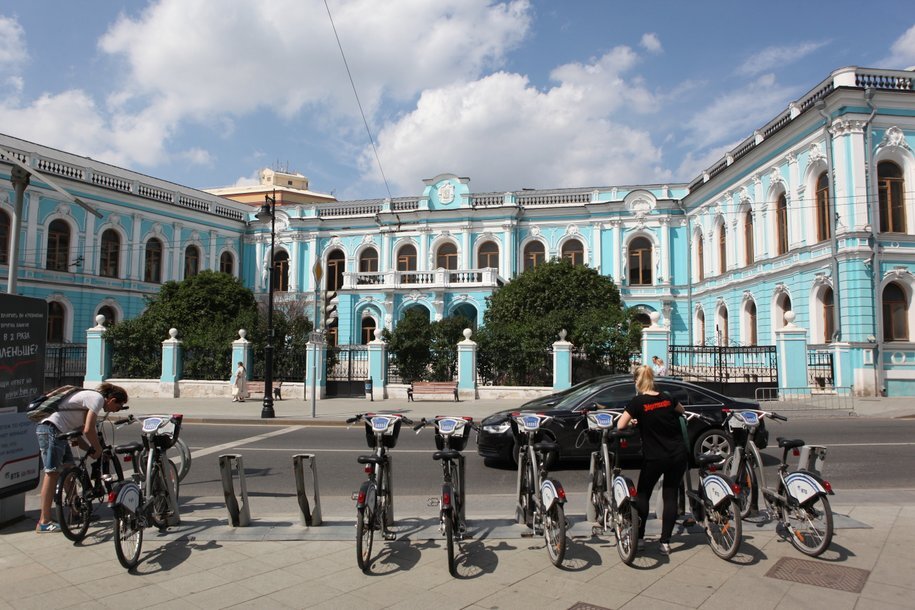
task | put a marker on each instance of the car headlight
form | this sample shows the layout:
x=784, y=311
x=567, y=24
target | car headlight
x=500, y=428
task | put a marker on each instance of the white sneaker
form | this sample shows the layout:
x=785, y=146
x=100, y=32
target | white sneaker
x=665, y=548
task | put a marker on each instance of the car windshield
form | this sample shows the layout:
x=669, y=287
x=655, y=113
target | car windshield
x=569, y=400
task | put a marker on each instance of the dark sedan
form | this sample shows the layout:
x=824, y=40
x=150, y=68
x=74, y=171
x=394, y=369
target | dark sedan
x=496, y=441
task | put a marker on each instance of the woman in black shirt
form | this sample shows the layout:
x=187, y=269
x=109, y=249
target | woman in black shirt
x=663, y=450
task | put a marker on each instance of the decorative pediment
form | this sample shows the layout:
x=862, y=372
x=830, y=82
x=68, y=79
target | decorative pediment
x=816, y=153
x=894, y=138
x=572, y=230
x=780, y=288
x=640, y=203
x=898, y=273
x=747, y=296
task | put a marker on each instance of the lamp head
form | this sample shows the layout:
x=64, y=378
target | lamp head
x=264, y=214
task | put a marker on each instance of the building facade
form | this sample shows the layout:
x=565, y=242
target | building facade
x=813, y=213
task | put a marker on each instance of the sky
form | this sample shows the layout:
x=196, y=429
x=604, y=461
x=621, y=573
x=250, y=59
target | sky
x=512, y=94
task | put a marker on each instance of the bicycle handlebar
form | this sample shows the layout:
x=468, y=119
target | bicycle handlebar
x=769, y=414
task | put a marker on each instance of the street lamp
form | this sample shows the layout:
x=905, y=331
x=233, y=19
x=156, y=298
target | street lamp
x=268, y=210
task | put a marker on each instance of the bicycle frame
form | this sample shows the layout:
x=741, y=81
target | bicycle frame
x=546, y=491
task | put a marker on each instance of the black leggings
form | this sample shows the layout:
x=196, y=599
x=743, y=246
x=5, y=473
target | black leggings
x=673, y=470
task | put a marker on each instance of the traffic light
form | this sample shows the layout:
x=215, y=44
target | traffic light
x=330, y=308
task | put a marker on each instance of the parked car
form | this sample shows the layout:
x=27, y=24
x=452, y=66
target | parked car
x=495, y=440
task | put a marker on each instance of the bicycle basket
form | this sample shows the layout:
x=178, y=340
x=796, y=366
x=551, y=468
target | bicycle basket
x=166, y=434
x=388, y=439
x=458, y=441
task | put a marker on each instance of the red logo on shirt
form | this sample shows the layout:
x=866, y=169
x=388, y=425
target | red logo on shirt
x=656, y=405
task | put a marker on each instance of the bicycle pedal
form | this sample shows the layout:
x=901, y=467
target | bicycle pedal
x=389, y=536
x=596, y=530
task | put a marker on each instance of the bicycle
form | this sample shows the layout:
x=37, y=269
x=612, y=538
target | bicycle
x=78, y=487
x=179, y=454
x=540, y=498
x=611, y=507
x=375, y=500
x=154, y=500
x=799, y=500
x=451, y=434
x=713, y=503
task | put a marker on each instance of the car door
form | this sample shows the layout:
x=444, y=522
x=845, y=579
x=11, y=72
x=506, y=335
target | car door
x=615, y=396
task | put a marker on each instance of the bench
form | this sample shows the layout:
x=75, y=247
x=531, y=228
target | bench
x=448, y=388
x=257, y=387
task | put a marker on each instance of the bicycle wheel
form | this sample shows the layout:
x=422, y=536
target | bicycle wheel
x=365, y=534
x=128, y=538
x=74, y=505
x=180, y=454
x=526, y=493
x=723, y=527
x=554, y=531
x=749, y=491
x=160, y=507
x=449, y=537
x=810, y=526
x=626, y=527
x=598, y=494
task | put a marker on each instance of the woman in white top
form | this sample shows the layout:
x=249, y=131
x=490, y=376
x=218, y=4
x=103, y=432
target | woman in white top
x=240, y=383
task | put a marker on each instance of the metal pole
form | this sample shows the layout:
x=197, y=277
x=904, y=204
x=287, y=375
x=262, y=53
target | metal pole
x=267, y=411
x=318, y=272
x=20, y=179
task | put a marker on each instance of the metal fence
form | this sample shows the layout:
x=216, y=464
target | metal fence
x=806, y=399
x=820, y=373
x=347, y=370
x=584, y=368
x=64, y=364
x=737, y=371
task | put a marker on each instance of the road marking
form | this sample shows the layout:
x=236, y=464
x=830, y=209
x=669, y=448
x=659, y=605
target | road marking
x=301, y=450
x=868, y=445
x=243, y=441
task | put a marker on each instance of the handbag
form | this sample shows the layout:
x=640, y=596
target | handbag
x=234, y=390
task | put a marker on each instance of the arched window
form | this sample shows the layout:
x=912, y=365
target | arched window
x=722, y=248
x=5, y=224
x=643, y=318
x=533, y=254
x=446, y=257
x=281, y=271
x=782, y=306
x=640, y=262
x=191, y=261
x=368, y=261
x=406, y=261
x=700, y=327
x=574, y=252
x=152, y=270
x=892, y=197
x=58, y=246
x=368, y=329
x=109, y=257
x=488, y=255
x=751, y=335
x=895, y=313
x=56, y=318
x=700, y=257
x=226, y=263
x=781, y=225
x=336, y=265
x=829, y=311
x=748, y=243
x=111, y=316
x=824, y=208
x=722, y=327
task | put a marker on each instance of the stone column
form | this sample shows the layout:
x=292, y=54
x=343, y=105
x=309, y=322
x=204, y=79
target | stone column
x=655, y=340
x=378, y=366
x=467, y=367
x=562, y=363
x=791, y=350
x=241, y=352
x=171, y=366
x=98, y=354
x=316, y=368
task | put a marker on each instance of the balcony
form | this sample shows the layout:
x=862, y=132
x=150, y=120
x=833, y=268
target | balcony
x=423, y=280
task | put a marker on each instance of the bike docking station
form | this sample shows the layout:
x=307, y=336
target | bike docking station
x=239, y=513
x=310, y=517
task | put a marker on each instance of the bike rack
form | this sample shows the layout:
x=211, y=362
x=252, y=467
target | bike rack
x=239, y=516
x=817, y=453
x=309, y=517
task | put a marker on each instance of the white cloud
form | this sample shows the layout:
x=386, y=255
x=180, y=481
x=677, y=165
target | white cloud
x=902, y=53
x=694, y=164
x=651, y=43
x=12, y=45
x=771, y=58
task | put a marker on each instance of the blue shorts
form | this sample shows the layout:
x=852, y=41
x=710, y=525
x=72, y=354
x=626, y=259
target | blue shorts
x=54, y=451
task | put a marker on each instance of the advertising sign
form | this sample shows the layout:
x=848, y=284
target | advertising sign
x=18, y=454
x=23, y=328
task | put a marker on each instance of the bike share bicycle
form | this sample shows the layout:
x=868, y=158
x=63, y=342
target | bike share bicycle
x=540, y=498
x=611, y=507
x=451, y=435
x=375, y=500
x=155, y=501
x=179, y=454
x=799, y=500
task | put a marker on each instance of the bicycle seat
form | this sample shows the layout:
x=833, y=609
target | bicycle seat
x=66, y=436
x=709, y=458
x=447, y=454
x=134, y=447
x=790, y=443
x=546, y=447
x=369, y=459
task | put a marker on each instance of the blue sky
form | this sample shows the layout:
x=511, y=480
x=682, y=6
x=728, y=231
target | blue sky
x=514, y=94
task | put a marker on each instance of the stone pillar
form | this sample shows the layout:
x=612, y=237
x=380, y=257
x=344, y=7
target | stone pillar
x=378, y=366
x=842, y=366
x=655, y=340
x=316, y=368
x=241, y=352
x=791, y=350
x=467, y=367
x=171, y=365
x=98, y=354
x=562, y=363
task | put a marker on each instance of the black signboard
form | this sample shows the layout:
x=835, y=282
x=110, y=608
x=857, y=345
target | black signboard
x=23, y=329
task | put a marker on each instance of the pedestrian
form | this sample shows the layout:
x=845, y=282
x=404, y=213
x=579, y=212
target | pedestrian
x=78, y=411
x=663, y=450
x=240, y=383
x=661, y=370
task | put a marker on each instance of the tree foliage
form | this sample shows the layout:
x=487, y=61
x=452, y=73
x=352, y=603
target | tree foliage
x=424, y=350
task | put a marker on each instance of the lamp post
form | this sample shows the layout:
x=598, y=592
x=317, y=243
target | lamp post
x=268, y=210
x=318, y=274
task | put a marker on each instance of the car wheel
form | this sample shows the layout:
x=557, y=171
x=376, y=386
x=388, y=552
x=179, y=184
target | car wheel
x=713, y=440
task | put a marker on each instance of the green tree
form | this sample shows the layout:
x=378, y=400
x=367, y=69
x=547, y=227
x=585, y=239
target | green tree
x=410, y=345
x=523, y=319
x=445, y=336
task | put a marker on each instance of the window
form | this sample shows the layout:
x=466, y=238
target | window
x=829, y=312
x=226, y=263
x=281, y=272
x=574, y=252
x=781, y=225
x=722, y=248
x=368, y=261
x=406, y=261
x=748, y=242
x=191, y=261
x=56, y=318
x=5, y=224
x=110, y=315
x=488, y=255
x=891, y=189
x=336, y=265
x=640, y=262
x=700, y=257
x=533, y=255
x=824, y=209
x=614, y=397
x=110, y=253
x=152, y=271
x=723, y=334
x=752, y=337
x=58, y=246
x=895, y=312
x=368, y=330
x=700, y=327
x=447, y=257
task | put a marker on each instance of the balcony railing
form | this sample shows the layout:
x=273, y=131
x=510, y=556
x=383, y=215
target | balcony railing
x=439, y=278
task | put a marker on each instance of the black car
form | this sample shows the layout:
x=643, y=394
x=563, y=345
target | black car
x=496, y=441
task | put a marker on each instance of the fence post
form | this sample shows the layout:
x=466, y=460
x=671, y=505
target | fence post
x=467, y=367
x=171, y=365
x=316, y=366
x=842, y=366
x=562, y=363
x=791, y=349
x=98, y=353
x=655, y=340
x=241, y=352
x=378, y=367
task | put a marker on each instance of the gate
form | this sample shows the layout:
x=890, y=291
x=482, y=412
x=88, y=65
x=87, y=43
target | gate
x=64, y=364
x=347, y=370
x=733, y=371
x=820, y=371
